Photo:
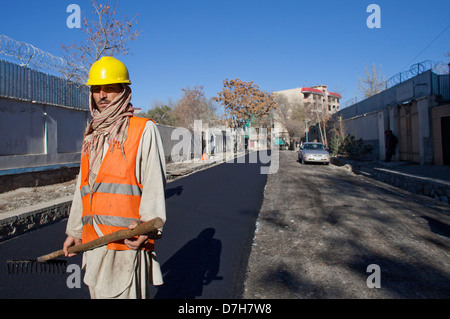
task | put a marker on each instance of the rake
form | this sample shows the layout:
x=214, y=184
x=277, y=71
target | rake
x=46, y=264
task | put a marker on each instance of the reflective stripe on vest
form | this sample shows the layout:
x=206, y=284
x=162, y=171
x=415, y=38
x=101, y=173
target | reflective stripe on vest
x=116, y=195
x=108, y=220
x=111, y=188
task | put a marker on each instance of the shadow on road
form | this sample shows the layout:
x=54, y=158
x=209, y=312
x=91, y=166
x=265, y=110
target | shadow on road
x=437, y=226
x=173, y=191
x=195, y=265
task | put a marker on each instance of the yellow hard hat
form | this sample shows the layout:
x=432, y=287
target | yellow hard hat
x=108, y=70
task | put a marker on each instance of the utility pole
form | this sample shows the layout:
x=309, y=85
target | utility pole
x=306, y=129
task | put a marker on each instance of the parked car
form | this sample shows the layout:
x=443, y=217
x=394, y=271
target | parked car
x=313, y=152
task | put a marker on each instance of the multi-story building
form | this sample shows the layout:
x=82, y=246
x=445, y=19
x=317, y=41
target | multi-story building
x=320, y=94
x=316, y=98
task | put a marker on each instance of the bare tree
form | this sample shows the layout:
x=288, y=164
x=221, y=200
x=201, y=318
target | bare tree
x=291, y=114
x=443, y=67
x=317, y=113
x=194, y=106
x=105, y=36
x=373, y=81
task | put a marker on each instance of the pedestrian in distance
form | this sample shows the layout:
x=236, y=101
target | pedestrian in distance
x=121, y=184
x=390, y=143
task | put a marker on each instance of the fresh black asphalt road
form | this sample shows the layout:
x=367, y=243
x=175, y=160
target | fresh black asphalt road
x=207, y=239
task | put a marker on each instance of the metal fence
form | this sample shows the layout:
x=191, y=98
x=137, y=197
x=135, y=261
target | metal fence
x=26, y=84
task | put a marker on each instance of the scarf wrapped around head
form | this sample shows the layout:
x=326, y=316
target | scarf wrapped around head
x=110, y=126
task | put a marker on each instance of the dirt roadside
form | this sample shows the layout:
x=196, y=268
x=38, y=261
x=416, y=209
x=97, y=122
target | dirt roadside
x=320, y=227
x=28, y=196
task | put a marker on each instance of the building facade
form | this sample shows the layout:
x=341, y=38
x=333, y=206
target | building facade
x=314, y=99
x=416, y=110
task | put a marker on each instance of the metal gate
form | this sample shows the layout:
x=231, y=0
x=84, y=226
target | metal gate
x=408, y=140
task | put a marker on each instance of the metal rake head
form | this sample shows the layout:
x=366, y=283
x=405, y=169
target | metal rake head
x=36, y=267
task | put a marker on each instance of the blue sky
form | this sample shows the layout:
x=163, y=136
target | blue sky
x=279, y=45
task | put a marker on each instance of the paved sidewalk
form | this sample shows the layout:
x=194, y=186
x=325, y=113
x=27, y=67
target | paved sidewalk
x=435, y=172
x=428, y=180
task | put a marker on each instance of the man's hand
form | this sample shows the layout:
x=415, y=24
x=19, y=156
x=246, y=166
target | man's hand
x=70, y=241
x=137, y=243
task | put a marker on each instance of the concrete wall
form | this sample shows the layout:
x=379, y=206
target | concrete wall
x=22, y=128
x=369, y=118
x=366, y=128
x=412, y=89
x=35, y=135
x=178, y=143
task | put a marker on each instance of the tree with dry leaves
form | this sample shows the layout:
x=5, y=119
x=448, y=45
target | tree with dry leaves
x=194, y=105
x=244, y=101
x=107, y=35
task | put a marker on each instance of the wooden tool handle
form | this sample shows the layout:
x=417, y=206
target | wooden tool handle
x=141, y=229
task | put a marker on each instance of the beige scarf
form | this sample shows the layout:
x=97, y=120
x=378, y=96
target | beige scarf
x=110, y=126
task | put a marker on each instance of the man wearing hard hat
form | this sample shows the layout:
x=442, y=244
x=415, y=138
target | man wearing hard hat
x=121, y=184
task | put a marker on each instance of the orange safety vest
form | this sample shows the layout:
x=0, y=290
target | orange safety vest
x=116, y=196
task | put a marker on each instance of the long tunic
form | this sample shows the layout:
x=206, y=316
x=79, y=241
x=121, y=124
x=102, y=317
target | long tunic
x=108, y=272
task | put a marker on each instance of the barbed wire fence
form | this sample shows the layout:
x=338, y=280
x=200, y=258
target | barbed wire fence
x=31, y=74
x=416, y=69
x=437, y=67
x=27, y=55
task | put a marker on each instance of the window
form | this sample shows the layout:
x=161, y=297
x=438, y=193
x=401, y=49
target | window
x=313, y=146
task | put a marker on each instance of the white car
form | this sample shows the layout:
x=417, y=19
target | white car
x=313, y=152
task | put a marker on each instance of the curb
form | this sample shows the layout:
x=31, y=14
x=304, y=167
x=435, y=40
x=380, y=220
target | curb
x=173, y=176
x=436, y=189
x=19, y=221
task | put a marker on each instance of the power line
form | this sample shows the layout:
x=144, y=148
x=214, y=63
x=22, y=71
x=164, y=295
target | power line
x=426, y=47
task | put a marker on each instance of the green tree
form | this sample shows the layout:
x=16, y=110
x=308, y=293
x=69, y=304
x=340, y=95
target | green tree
x=162, y=114
x=349, y=146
